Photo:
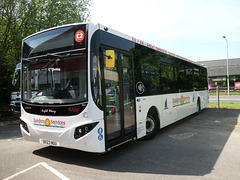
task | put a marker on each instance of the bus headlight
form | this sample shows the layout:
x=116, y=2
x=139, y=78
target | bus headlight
x=83, y=130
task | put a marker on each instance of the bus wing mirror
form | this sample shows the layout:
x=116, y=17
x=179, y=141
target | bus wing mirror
x=110, y=58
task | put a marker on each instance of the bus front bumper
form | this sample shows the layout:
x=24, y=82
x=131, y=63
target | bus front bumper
x=94, y=141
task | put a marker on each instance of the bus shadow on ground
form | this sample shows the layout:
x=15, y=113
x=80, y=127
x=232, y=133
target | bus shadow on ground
x=191, y=146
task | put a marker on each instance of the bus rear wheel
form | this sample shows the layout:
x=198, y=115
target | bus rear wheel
x=198, y=106
x=152, y=125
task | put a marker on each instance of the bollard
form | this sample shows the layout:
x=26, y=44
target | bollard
x=217, y=92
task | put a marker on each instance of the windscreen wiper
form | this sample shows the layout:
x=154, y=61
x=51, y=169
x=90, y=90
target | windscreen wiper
x=52, y=57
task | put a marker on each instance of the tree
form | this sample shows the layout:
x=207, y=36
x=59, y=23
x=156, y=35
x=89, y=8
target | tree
x=20, y=18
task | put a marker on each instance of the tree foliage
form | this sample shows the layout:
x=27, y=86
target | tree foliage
x=20, y=18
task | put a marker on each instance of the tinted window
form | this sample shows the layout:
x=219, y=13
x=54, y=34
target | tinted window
x=203, y=79
x=147, y=69
x=189, y=77
x=168, y=75
x=55, y=40
x=161, y=73
x=181, y=78
x=196, y=78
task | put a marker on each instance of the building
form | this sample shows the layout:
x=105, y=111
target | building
x=217, y=73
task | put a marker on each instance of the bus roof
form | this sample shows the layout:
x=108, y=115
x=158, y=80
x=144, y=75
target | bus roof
x=133, y=39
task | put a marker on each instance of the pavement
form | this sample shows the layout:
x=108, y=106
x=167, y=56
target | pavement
x=225, y=98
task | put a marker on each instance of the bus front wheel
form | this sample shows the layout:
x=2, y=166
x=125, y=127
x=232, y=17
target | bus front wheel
x=152, y=125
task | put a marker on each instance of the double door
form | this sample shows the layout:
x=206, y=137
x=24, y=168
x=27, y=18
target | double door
x=119, y=102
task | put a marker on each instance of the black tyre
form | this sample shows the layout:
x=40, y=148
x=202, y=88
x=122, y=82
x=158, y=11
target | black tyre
x=198, y=107
x=152, y=125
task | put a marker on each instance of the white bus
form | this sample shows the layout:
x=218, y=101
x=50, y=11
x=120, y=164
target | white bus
x=15, y=94
x=88, y=87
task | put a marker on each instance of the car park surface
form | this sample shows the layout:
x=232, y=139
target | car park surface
x=204, y=146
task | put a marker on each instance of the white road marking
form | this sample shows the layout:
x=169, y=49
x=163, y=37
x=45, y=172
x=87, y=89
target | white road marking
x=54, y=171
x=19, y=138
x=15, y=139
x=21, y=172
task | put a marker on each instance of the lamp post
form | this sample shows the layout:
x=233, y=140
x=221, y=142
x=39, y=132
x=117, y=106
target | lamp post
x=227, y=65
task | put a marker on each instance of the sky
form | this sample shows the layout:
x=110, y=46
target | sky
x=193, y=29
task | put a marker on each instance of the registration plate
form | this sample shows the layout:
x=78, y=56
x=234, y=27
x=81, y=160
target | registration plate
x=49, y=142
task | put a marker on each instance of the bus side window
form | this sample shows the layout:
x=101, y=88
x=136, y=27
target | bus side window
x=96, y=80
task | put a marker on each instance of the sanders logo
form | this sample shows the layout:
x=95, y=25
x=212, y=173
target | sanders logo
x=181, y=101
x=49, y=123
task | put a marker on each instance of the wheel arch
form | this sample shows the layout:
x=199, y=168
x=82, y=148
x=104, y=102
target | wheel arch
x=155, y=109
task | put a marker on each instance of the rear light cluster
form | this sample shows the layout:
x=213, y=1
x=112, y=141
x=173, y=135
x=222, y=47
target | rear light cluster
x=83, y=130
x=24, y=126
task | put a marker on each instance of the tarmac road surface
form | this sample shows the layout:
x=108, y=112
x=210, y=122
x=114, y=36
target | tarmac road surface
x=225, y=98
x=204, y=146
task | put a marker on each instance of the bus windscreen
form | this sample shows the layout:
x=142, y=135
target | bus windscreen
x=60, y=39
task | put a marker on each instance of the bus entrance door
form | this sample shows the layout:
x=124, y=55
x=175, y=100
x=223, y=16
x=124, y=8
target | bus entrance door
x=119, y=100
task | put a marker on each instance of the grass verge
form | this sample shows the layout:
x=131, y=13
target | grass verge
x=224, y=93
x=229, y=105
